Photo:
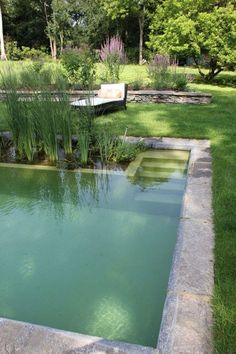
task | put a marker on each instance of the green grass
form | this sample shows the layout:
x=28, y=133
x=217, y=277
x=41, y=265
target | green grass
x=217, y=122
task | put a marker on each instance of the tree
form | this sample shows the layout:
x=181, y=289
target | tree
x=25, y=22
x=3, y=54
x=198, y=29
x=122, y=8
x=91, y=24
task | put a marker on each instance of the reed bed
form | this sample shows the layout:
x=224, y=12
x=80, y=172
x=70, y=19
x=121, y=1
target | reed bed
x=37, y=120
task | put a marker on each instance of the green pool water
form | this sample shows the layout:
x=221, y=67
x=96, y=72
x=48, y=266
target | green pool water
x=90, y=252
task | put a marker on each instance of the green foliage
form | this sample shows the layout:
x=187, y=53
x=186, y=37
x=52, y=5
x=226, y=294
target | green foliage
x=20, y=120
x=165, y=76
x=34, y=75
x=137, y=84
x=112, y=55
x=84, y=131
x=112, y=68
x=193, y=28
x=80, y=67
x=36, y=120
x=13, y=52
x=126, y=152
x=43, y=110
x=105, y=142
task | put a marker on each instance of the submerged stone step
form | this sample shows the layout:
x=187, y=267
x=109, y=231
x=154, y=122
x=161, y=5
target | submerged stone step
x=158, y=174
x=160, y=183
x=158, y=198
x=166, y=159
x=167, y=154
x=170, y=166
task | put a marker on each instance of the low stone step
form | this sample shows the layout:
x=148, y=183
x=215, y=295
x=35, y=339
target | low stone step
x=158, y=198
x=159, y=174
x=164, y=165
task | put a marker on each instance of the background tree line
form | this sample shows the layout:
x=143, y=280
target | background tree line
x=203, y=30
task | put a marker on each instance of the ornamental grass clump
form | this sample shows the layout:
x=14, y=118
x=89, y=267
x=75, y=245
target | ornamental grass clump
x=164, y=75
x=112, y=55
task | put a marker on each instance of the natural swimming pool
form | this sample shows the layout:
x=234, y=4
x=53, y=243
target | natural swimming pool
x=90, y=252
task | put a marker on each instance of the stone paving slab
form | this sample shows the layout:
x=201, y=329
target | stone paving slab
x=197, y=201
x=192, y=270
x=24, y=338
x=186, y=326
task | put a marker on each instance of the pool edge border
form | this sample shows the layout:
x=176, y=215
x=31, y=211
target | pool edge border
x=186, y=325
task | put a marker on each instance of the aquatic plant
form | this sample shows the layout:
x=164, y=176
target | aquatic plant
x=84, y=127
x=37, y=118
x=126, y=152
x=64, y=120
x=105, y=142
x=20, y=121
x=43, y=109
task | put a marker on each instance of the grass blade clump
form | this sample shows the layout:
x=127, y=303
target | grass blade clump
x=43, y=109
x=20, y=121
x=63, y=114
x=105, y=142
x=84, y=127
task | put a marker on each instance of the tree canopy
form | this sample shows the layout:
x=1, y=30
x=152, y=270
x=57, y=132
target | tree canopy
x=202, y=29
x=196, y=28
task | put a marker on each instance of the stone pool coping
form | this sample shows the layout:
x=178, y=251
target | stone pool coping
x=186, y=326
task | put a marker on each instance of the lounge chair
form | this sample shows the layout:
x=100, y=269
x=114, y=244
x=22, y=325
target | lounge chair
x=109, y=97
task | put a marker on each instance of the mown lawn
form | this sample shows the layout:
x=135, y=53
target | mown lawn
x=217, y=122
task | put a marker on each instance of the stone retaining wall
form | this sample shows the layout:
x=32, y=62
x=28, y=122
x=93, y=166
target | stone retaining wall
x=142, y=96
x=168, y=97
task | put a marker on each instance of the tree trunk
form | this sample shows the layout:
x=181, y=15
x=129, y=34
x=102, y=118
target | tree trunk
x=3, y=53
x=141, y=27
x=51, y=46
x=61, y=42
x=54, y=47
x=213, y=71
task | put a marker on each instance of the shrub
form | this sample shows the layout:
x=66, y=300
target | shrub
x=137, y=84
x=163, y=74
x=80, y=67
x=16, y=53
x=112, y=55
x=13, y=52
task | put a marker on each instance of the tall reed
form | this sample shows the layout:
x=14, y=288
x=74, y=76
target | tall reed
x=43, y=109
x=20, y=121
x=64, y=120
x=105, y=142
x=84, y=129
